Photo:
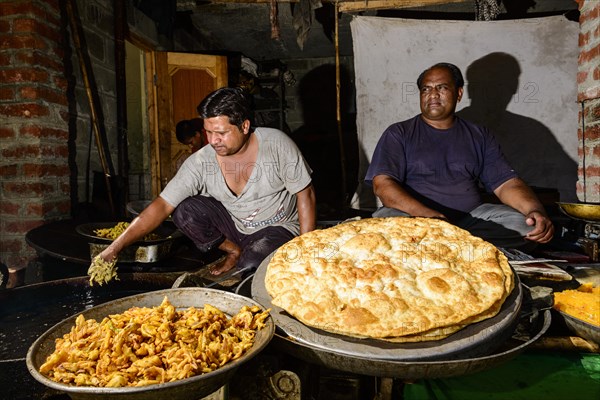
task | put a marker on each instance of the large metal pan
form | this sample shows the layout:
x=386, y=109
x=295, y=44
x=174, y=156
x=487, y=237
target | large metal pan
x=583, y=211
x=475, y=339
x=530, y=327
x=195, y=387
x=28, y=311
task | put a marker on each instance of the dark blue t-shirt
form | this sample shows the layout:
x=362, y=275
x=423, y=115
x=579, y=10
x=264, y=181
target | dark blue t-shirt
x=442, y=168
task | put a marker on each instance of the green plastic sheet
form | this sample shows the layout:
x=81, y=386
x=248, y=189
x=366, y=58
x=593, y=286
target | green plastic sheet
x=529, y=376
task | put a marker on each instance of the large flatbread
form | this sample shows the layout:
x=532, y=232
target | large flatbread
x=401, y=279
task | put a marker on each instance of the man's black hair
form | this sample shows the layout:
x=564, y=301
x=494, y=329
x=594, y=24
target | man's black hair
x=457, y=76
x=229, y=101
x=184, y=130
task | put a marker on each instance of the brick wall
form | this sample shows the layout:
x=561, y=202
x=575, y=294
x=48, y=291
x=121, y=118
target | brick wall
x=34, y=154
x=588, y=80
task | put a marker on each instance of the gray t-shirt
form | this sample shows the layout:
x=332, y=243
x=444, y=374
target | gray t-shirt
x=269, y=198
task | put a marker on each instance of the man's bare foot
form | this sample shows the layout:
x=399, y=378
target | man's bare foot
x=232, y=255
x=225, y=266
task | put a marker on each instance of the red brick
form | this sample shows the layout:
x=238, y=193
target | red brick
x=592, y=132
x=5, y=59
x=24, y=110
x=35, y=189
x=15, y=7
x=40, y=93
x=39, y=59
x=11, y=246
x=57, y=151
x=582, y=76
x=584, y=38
x=589, y=55
x=8, y=171
x=590, y=13
x=596, y=73
x=33, y=131
x=9, y=208
x=6, y=133
x=22, y=25
x=61, y=83
x=47, y=208
x=596, y=155
x=19, y=75
x=594, y=111
x=43, y=170
x=11, y=41
x=34, y=27
x=4, y=26
x=21, y=152
x=22, y=226
x=7, y=94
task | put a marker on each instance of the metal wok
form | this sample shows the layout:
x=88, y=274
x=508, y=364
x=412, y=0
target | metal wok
x=194, y=387
x=583, y=211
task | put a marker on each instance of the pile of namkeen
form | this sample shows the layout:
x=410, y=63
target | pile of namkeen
x=397, y=279
x=144, y=346
x=583, y=303
x=102, y=271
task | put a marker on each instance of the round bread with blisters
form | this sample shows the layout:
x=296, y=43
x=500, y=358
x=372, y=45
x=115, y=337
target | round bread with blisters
x=399, y=278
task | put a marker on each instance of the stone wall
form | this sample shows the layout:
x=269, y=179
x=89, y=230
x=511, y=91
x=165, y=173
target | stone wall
x=588, y=80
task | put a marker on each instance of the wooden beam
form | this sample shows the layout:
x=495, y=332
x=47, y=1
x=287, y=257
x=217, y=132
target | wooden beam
x=357, y=5
x=354, y=5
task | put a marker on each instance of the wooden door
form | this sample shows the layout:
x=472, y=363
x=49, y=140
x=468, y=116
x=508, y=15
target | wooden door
x=182, y=80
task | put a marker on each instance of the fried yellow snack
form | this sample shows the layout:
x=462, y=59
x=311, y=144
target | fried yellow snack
x=115, y=231
x=144, y=346
x=583, y=303
x=101, y=271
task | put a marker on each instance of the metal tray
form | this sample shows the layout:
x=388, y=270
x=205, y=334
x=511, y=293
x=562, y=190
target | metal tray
x=475, y=339
x=194, y=387
x=581, y=328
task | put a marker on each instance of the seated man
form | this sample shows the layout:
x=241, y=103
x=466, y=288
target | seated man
x=432, y=165
x=247, y=193
x=191, y=133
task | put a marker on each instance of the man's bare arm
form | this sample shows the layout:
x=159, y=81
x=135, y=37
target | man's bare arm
x=393, y=195
x=307, y=209
x=146, y=222
x=516, y=194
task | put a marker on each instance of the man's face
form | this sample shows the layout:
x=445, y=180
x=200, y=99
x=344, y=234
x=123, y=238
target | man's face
x=195, y=142
x=439, y=95
x=225, y=138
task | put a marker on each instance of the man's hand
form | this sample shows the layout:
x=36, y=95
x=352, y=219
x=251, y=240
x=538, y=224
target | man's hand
x=543, y=229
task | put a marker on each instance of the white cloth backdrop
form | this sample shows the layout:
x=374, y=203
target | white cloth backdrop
x=537, y=129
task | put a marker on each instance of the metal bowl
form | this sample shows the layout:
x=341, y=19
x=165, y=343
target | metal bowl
x=581, y=328
x=195, y=387
x=142, y=251
x=583, y=211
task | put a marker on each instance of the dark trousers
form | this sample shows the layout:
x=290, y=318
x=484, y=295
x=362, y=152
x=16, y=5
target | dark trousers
x=207, y=223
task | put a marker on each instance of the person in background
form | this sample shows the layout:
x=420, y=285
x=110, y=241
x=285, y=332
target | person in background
x=246, y=194
x=433, y=164
x=191, y=133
